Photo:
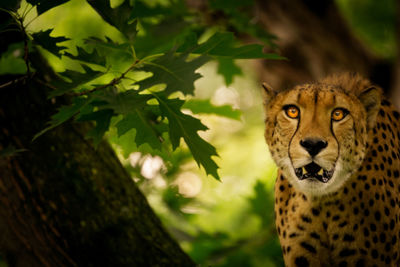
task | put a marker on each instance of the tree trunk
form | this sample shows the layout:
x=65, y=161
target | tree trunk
x=63, y=202
x=317, y=41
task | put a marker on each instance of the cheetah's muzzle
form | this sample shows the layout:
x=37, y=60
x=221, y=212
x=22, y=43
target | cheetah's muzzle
x=313, y=170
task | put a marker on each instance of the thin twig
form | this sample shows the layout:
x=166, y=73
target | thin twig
x=46, y=84
x=15, y=81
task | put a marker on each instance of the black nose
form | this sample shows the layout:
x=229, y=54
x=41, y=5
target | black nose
x=313, y=145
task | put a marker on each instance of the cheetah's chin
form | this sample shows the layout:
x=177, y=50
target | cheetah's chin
x=315, y=171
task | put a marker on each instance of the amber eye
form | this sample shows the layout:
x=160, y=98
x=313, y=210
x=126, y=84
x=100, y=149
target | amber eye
x=292, y=111
x=339, y=114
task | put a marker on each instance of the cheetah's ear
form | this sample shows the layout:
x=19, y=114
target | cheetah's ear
x=371, y=100
x=268, y=93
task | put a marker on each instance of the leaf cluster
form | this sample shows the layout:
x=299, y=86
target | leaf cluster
x=162, y=49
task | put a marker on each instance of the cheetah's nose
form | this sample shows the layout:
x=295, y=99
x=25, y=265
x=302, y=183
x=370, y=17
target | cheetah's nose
x=313, y=145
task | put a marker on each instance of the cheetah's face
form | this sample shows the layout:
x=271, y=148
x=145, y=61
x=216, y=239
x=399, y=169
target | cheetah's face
x=317, y=136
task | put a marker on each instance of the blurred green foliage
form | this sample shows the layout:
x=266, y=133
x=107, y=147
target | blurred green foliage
x=374, y=22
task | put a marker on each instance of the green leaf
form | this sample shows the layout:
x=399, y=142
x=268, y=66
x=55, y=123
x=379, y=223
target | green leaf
x=77, y=78
x=49, y=43
x=44, y=5
x=145, y=132
x=187, y=43
x=198, y=106
x=124, y=142
x=222, y=44
x=64, y=114
x=173, y=70
x=161, y=37
x=118, y=17
x=84, y=56
x=136, y=115
x=186, y=127
x=228, y=69
x=108, y=44
x=124, y=102
x=102, y=119
x=115, y=53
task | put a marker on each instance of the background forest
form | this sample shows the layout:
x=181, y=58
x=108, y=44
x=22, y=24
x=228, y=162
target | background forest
x=174, y=88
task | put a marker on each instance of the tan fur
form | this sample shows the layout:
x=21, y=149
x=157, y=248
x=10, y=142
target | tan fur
x=352, y=220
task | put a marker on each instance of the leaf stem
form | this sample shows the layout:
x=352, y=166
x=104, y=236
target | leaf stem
x=111, y=83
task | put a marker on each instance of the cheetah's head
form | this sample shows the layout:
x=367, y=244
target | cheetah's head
x=317, y=133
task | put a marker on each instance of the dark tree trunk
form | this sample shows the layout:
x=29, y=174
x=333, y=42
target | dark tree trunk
x=317, y=42
x=63, y=202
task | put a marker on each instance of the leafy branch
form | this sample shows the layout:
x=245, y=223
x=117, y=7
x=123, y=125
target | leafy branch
x=170, y=54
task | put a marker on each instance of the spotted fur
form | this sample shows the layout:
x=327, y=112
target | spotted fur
x=353, y=219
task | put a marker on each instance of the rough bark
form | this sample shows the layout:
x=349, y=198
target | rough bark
x=63, y=202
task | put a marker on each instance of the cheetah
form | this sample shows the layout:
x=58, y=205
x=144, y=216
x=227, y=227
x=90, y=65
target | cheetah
x=336, y=143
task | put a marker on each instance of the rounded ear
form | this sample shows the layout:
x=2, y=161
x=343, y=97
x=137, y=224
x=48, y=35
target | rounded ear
x=268, y=93
x=371, y=100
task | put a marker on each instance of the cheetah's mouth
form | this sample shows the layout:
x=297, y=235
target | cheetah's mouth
x=313, y=170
